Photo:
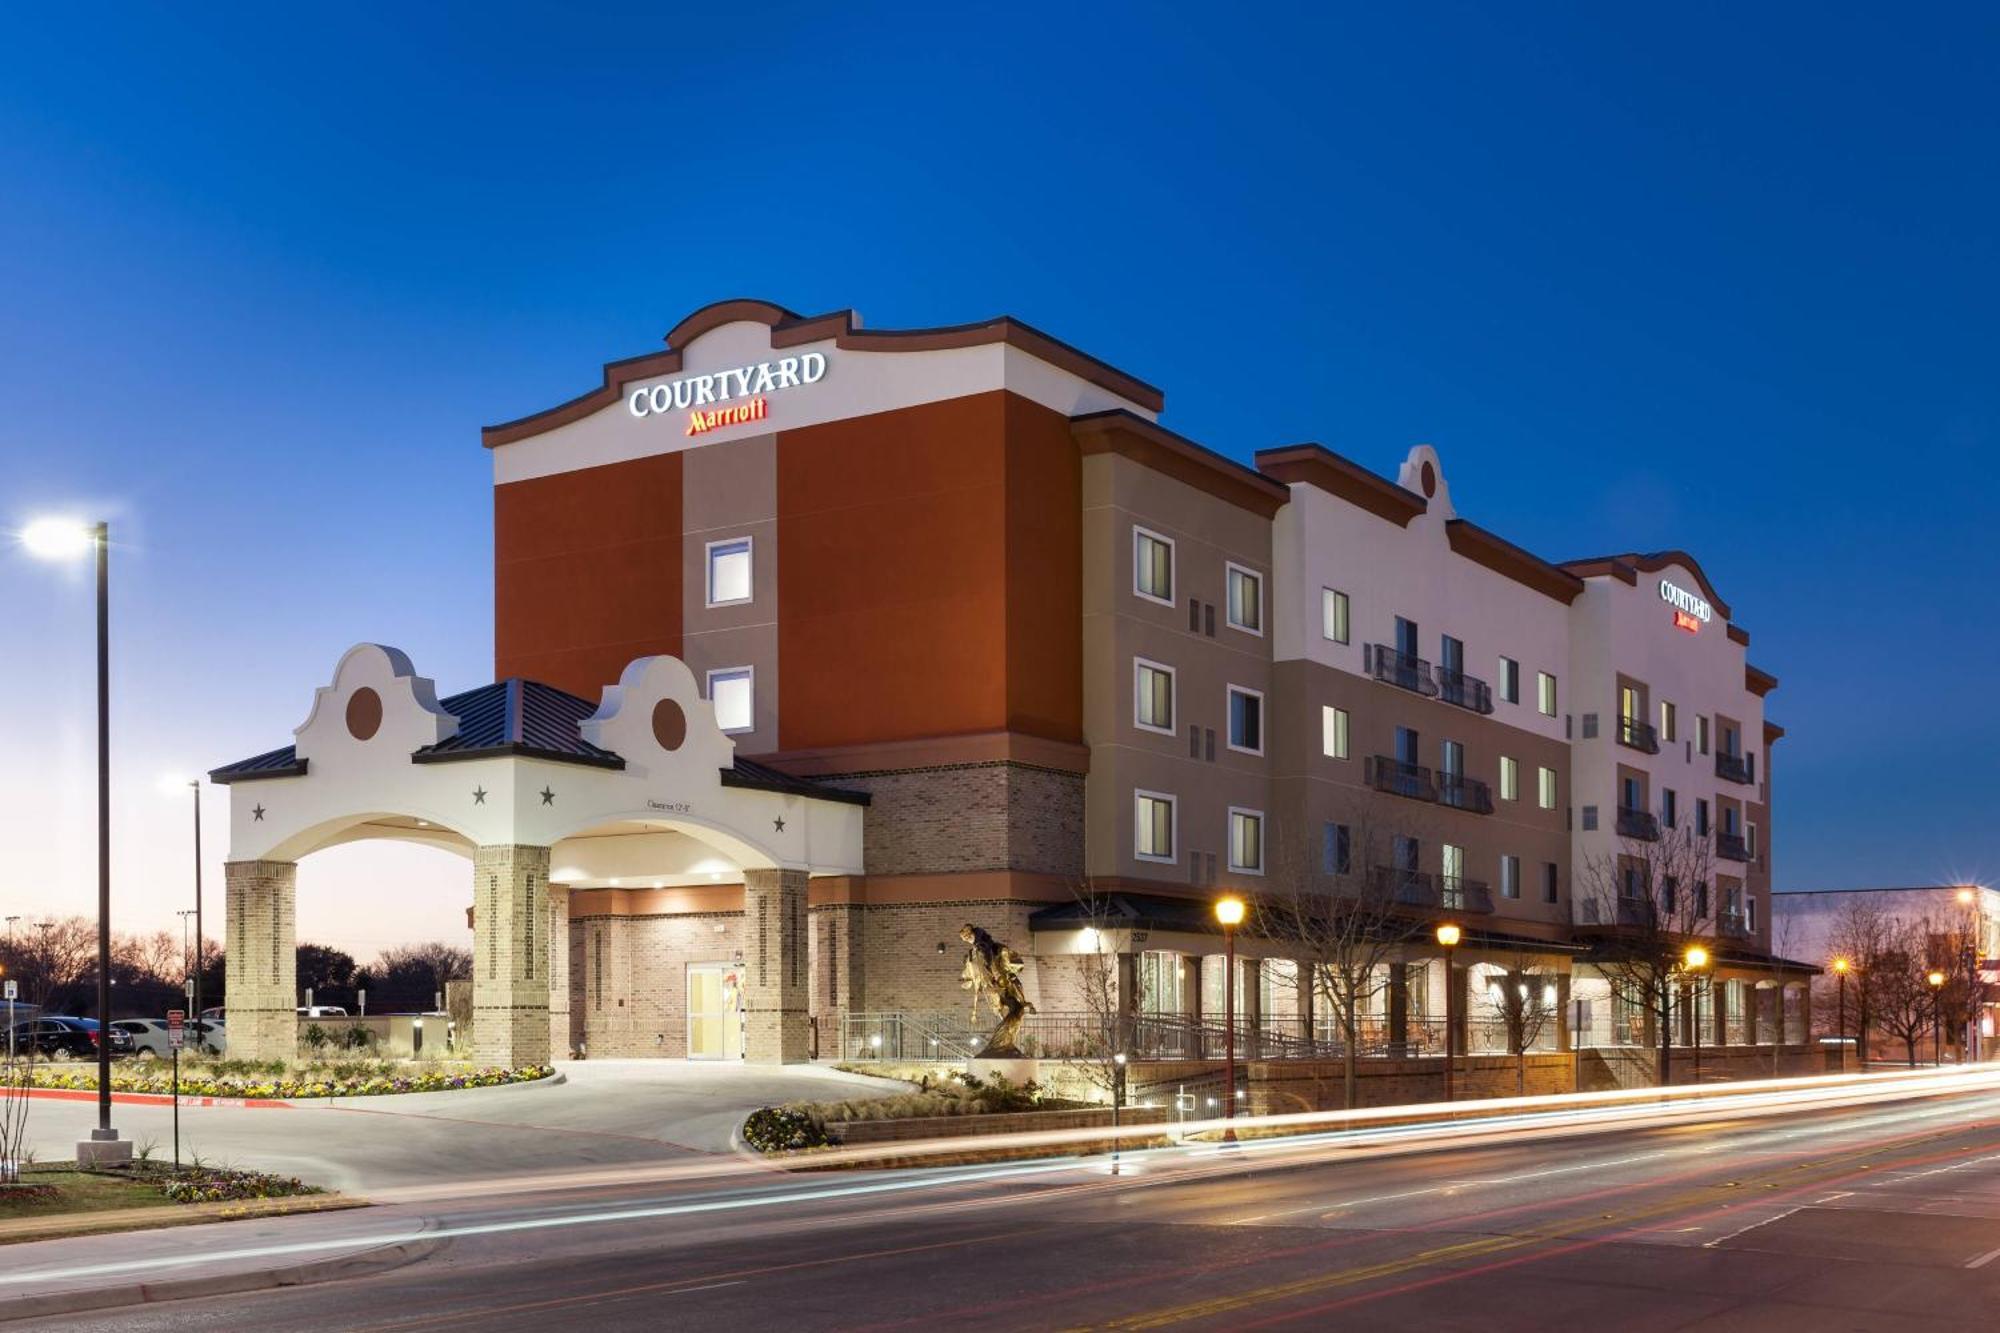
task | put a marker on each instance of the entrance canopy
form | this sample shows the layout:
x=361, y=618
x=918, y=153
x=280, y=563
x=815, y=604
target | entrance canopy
x=641, y=788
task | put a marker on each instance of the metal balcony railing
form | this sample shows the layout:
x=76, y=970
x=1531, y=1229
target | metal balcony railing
x=1733, y=924
x=1640, y=824
x=1638, y=735
x=1463, y=793
x=1731, y=847
x=1455, y=687
x=1400, y=779
x=1406, y=888
x=1620, y=912
x=1733, y=768
x=1410, y=673
x=1456, y=893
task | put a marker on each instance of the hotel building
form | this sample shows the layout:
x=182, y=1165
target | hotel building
x=1006, y=650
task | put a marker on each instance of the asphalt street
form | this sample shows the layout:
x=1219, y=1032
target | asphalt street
x=1880, y=1217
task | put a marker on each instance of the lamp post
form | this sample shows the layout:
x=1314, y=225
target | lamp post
x=1117, y=1099
x=1448, y=935
x=1968, y=898
x=1935, y=979
x=1840, y=966
x=170, y=785
x=1229, y=911
x=1694, y=960
x=59, y=539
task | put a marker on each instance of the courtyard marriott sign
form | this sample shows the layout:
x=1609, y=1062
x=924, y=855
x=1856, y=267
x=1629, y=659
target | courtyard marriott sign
x=1690, y=611
x=727, y=397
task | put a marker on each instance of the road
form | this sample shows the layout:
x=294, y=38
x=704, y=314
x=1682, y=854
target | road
x=1880, y=1217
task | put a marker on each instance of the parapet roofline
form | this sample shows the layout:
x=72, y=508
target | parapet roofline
x=1627, y=568
x=1147, y=442
x=843, y=328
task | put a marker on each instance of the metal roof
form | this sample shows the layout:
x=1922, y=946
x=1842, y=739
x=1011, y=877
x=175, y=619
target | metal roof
x=284, y=763
x=1138, y=911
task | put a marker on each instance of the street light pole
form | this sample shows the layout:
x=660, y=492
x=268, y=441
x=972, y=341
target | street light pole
x=1448, y=935
x=194, y=786
x=1229, y=911
x=1840, y=966
x=1694, y=960
x=1936, y=981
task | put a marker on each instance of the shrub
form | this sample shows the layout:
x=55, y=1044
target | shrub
x=357, y=1038
x=316, y=1037
x=784, y=1129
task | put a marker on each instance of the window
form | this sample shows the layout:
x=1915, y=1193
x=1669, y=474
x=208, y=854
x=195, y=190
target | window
x=1750, y=839
x=1669, y=807
x=1510, y=681
x=1700, y=734
x=1629, y=708
x=1451, y=655
x=1160, y=977
x=1750, y=911
x=1667, y=723
x=1333, y=731
x=1590, y=819
x=1510, y=877
x=729, y=693
x=1246, y=720
x=729, y=572
x=1510, y=779
x=1333, y=615
x=1545, y=788
x=1336, y=850
x=1701, y=816
x=1152, y=696
x=1153, y=826
x=1545, y=693
x=1701, y=898
x=1246, y=841
x=1152, y=566
x=1246, y=600
x=1549, y=873
x=1631, y=794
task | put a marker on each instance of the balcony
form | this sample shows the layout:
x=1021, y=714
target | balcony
x=1638, y=824
x=1400, y=779
x=1734, y=768
x=1732, y=924
x=1405, y=888
x=1622, y=911
x=1463, y=793
x=1637, y=735
x=1470, y=692
x=1731, y=847
x=1410, y=673
x=1459, y=894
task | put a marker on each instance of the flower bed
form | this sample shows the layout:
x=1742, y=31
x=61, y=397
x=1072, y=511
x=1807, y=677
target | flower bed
x=806, y=1125
x=243, y=1079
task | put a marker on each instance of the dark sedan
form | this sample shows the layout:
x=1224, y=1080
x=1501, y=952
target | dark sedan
x=66, y=1039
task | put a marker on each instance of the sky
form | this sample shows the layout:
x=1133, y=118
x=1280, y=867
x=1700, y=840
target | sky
x=1713, y=277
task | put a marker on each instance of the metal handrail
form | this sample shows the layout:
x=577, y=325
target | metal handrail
x=1456, y=893
x=1731, y=847
x=1733, y=924
x=1455, y=687
x=1733, y=768
x=1407, y=888
x=1640, y=824
x=1400, y=779
x=1638, y=735
x=1409, y=673
x=1464, y=793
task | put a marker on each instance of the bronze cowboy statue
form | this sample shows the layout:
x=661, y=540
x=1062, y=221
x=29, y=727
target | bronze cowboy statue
x=994, y=970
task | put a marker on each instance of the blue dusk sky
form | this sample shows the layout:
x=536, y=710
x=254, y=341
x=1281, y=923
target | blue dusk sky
x=1713, y=277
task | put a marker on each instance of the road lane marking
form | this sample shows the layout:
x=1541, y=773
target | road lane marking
x=1984, y=1259
x=1709, y=1245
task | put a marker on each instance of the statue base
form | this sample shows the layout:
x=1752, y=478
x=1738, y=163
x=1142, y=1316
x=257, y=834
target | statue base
x=1015, y=1070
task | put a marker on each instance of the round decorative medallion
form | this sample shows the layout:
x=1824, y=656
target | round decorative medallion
x=670, y=724
x=364, y=713
x=1430, y=479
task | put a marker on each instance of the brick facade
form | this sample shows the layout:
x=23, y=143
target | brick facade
x=966, y=817
x=261, y=962
x=511, y=956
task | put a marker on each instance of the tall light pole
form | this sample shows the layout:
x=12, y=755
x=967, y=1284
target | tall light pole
x=1229, y=911
x=60, y=539
x=1694, y=960
x=1935, y=979
x=1968, y=898
x=1448, y=935
x=1840, y=967
x=172, y=784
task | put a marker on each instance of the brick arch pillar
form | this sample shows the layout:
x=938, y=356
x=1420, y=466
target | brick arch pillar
x=512, y=963
x=776, y=1026
x=260, y=965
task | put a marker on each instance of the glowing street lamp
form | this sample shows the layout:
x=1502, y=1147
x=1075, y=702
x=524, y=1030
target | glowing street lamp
x=1935, y=980
x=1968, y=898
x=68, y=539
x=1448, y=936
x=1229, y=912
x=1841, y=967
x=1694, y=960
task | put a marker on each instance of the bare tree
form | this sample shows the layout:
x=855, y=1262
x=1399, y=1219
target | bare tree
x=16, y=1078
x=1524, y=1001
x=1902, y=1000
x=1864, y=933
x=1349, y=913
x=1650, y=895
x=51, y=957
x=1107, y=1029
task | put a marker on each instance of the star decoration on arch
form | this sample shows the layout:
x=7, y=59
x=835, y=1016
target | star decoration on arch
x=779, y=823
x=548, y=796
x=257, y=813
x=479, y=796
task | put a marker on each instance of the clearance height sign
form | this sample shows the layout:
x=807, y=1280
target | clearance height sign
x=727, y=397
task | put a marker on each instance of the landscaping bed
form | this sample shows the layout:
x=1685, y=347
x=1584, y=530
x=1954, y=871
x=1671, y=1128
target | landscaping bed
x=275, y=1079
x=936, y=1106
x=60, y=1198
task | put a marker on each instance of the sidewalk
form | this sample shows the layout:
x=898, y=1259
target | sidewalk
x=44, y=1278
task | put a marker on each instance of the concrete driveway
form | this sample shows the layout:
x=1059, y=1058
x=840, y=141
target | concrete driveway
x=605, y=1113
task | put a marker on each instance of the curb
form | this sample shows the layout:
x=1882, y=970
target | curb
x=365, y=1264
x=156, y=1098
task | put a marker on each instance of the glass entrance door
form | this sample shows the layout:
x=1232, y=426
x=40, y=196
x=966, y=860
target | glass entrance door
x=714, y=1011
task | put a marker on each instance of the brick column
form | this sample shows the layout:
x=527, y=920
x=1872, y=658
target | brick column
x=1399, y=1008
x=1565, y=1039
x=562, y=1033
x=510, y=955
x=261, y=960
x=777, y=1029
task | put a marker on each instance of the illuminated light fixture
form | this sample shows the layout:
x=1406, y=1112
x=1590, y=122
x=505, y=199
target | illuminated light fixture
x=57, y=538
x=1089, y=938
x=1682, y=620
x=1935, y=978
x=1966, y=895
x=1696, y=958
x=1449, y=935
x=1229, y=911
x=1840, y=966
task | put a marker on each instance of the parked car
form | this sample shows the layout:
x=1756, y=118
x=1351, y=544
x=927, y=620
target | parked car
x=322, y=1011
x=152, y=1038
x=67, y=1039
